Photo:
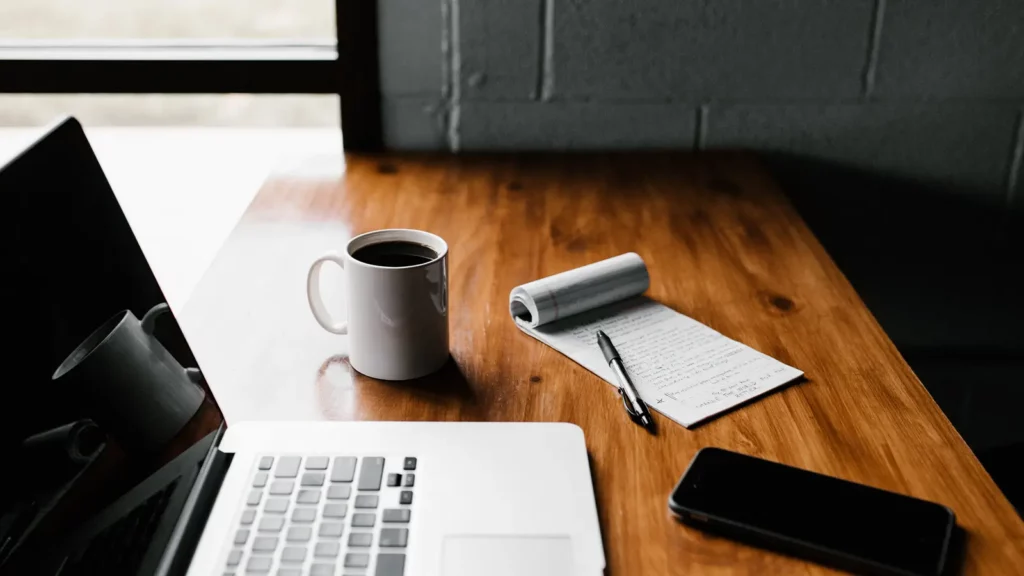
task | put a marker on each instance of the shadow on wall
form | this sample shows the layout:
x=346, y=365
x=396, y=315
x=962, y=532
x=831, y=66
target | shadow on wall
x=939, y=267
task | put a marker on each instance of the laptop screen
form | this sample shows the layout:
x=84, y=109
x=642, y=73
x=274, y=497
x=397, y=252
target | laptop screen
x=100, y=387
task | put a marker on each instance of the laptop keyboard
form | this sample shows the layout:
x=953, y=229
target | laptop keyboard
x=325, y=516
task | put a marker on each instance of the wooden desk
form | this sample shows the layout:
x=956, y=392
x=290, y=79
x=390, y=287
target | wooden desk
x=723, y=245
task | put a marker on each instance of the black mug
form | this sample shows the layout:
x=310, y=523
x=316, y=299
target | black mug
x=132, y=386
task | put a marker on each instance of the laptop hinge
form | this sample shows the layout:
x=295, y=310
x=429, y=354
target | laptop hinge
x=196, y=510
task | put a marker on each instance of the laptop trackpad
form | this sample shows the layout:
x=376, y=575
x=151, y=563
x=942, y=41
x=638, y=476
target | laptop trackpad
x=507, y=556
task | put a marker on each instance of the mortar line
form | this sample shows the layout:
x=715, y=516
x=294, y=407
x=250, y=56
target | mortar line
x=1016, y=158
x=874, y=46
x=701, y=136
x=446, y=51
x=454, y=76
x=546, y=52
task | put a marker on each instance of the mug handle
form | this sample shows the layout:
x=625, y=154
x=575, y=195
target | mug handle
x=148, y=324
x=316, y=302
x=149, y=320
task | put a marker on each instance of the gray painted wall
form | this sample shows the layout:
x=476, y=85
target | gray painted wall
x=926, y=90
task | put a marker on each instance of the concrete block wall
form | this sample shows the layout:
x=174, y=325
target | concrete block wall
x=929, y=91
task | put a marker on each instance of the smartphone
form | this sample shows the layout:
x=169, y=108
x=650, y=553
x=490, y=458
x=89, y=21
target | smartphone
x=823, y=519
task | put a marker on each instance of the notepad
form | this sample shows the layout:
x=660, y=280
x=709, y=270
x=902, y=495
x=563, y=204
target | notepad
x=687, y=371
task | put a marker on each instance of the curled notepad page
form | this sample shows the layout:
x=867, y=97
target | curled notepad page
x=543, y=301
x=682, y=368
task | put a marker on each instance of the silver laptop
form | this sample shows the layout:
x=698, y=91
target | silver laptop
x=285, y=498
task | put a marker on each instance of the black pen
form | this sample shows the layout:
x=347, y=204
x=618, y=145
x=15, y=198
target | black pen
x=635, y=406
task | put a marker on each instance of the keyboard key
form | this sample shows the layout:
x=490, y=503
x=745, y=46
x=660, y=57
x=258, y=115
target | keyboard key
x=335, y=510
x=317, y=462
x=258, y=564
x=409, y=464
x=241, y=537
x=363, y=520
x=264, y=544
x=367, y=501
x=282, y=487
x=289, y=572
x=276, y=506
x=321, y=569
x=400, y=515
x=410, y=480
x=260, y=480
x=394, y=479
x=266, y=462
x=357, y=560
x=254, y=497
x=390, y=565
x=304, y=515
x=394, y=537
x=287, y=467
x=326, y=550
x=360, y=539
x=313, y=479
x=299, y=534
x=370, y=473
x=339, y=492
x=271, y=524
x=331, y=530
x=308, y=496
x=293, y=554
x=248, y=516
x=344, y=469
x=405, y=497
x=234, y=557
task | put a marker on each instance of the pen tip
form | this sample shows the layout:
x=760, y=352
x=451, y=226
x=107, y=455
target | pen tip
x=648, y=423
x=601, y=334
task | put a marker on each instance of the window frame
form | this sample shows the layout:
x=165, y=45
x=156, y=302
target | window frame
x=350, y=69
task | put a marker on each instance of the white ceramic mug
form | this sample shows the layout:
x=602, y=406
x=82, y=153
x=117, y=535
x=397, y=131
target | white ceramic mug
x=397, y=316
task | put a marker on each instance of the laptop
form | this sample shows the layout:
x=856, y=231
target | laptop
x=284, y=498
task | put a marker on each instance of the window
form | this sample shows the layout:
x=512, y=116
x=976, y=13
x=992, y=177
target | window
x=173, y=110
x=309, y=22
x=220, y=53
x=184, y=46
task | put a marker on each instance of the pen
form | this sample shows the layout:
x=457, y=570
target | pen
x=635, y=406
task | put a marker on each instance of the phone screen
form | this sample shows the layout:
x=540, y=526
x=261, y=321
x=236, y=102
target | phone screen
x=883, y=527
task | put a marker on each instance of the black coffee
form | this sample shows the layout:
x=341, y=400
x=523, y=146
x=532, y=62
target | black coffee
x=395, y=254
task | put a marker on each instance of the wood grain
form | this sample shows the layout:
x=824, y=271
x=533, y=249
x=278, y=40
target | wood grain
x=723, y=246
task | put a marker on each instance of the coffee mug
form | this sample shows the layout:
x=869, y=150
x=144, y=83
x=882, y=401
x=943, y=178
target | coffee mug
x=132, y=386
x=396, y=287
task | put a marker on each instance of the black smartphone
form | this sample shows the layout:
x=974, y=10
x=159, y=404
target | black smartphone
x=823, y=519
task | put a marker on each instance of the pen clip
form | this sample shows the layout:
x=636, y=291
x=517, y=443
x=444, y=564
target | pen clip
x=626, y=403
